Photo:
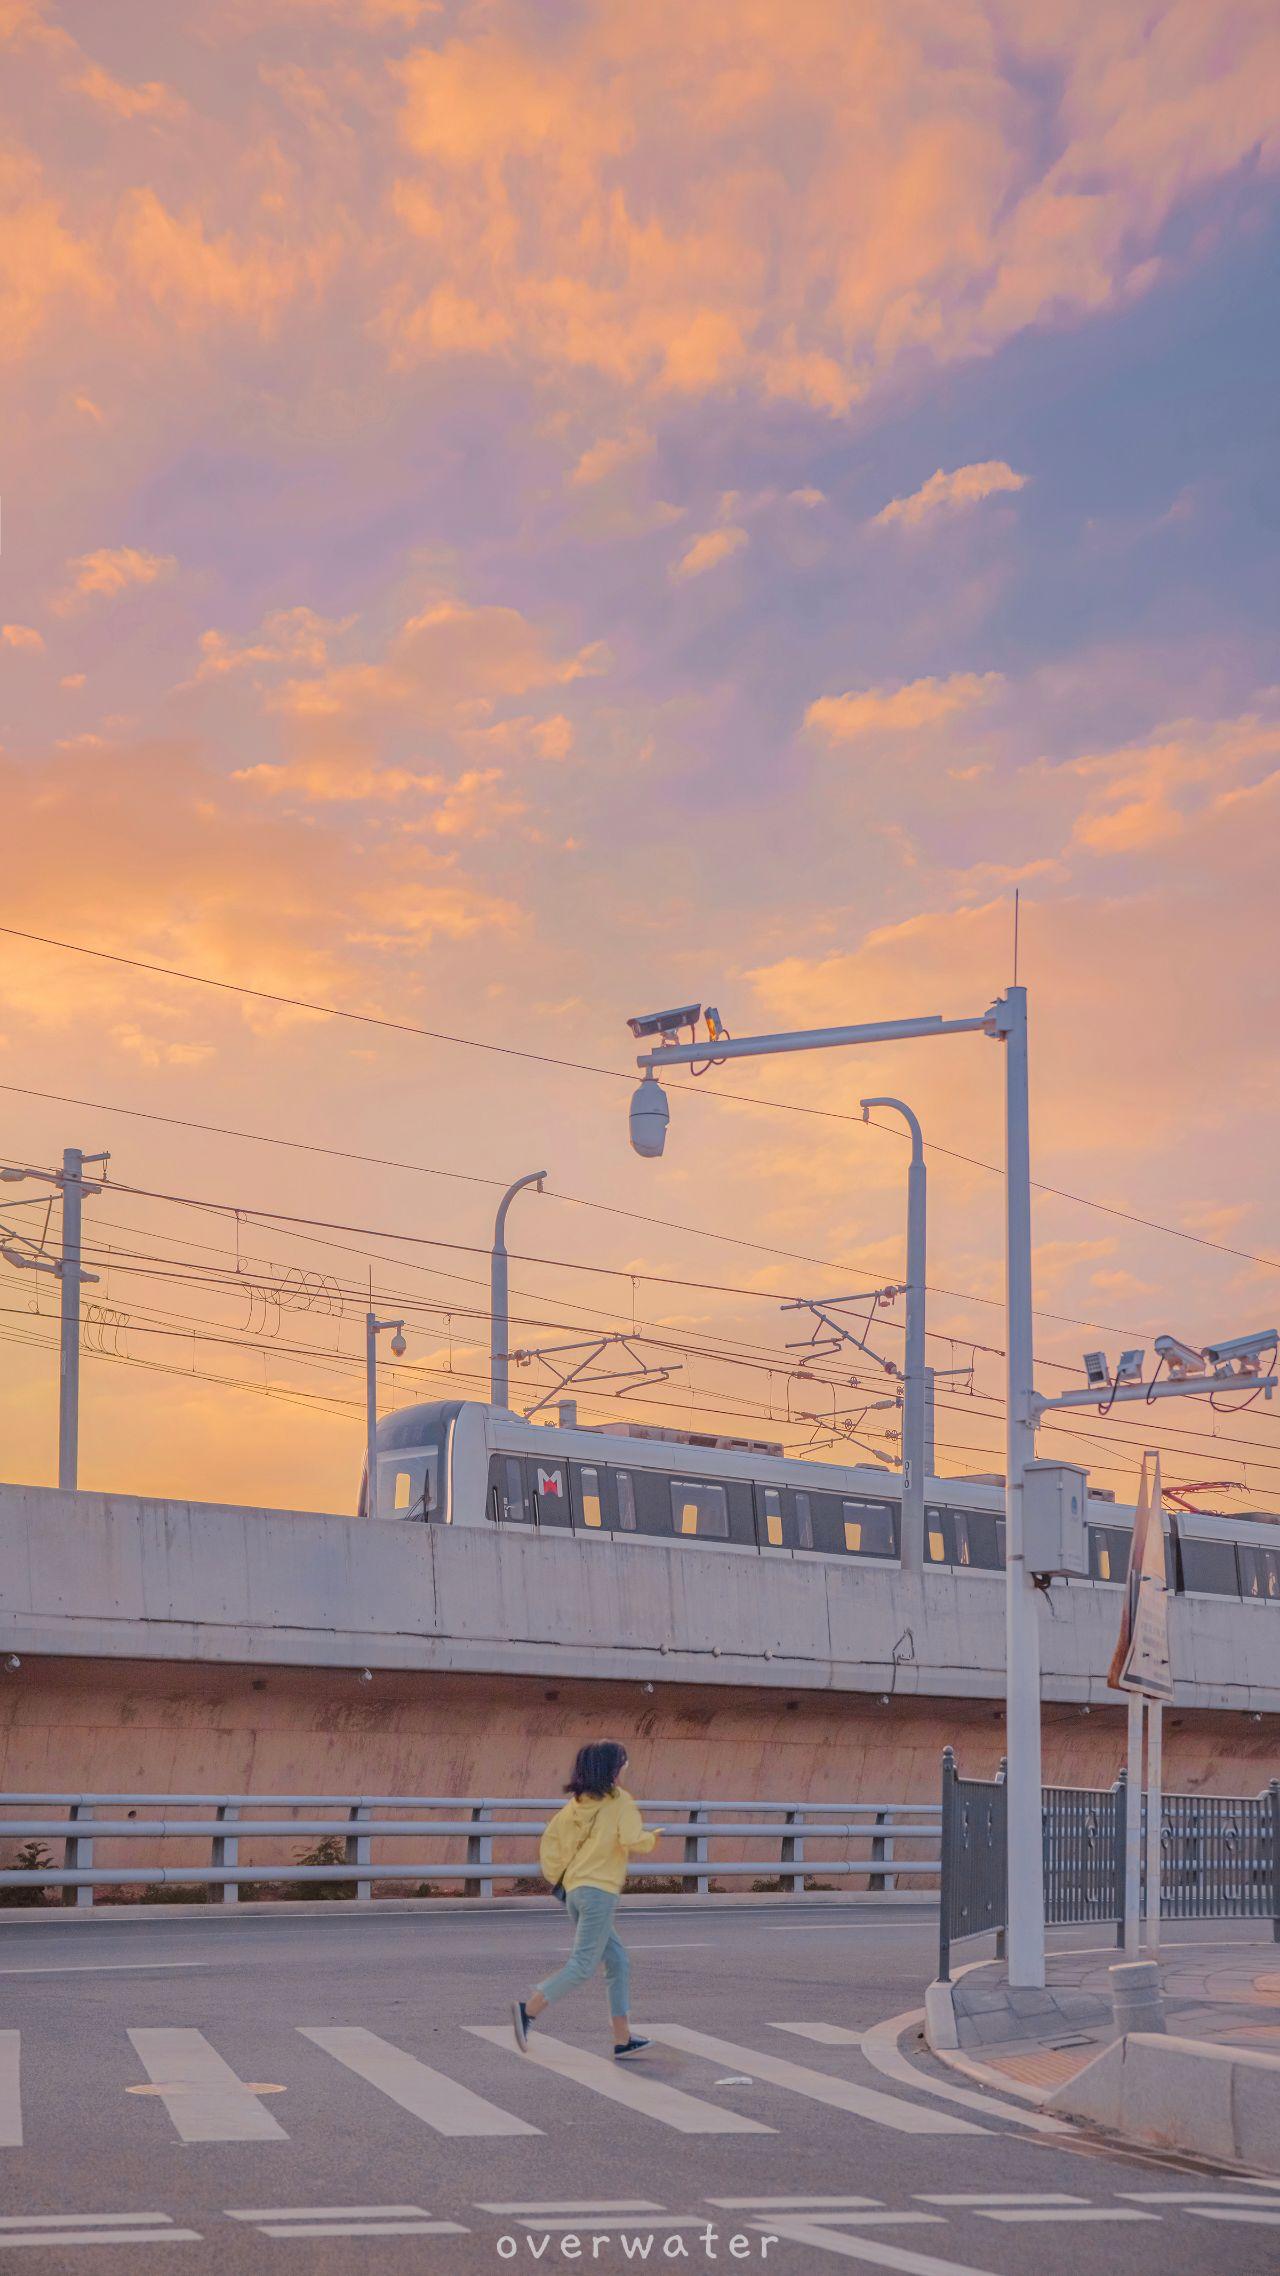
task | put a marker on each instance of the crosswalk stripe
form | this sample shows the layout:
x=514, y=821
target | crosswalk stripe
x=202, y=2094
x=823, y=2034
x=1256, y=2215
x=584, y=2212
x=1061, y=2213
x=81, y=2221
x=973, y=2198
x=794, y=2229
x=819, y=2086
x=328, y=2213
x=651, y=2096
x=363, y=2228
x=10, y=2091
x=425, y=2093
x=100, y=2236
x=1269, y=2190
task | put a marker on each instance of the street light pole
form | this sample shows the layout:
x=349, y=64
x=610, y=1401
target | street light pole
x=914, y=1385
x=1025, y=1938
x=1006, y=1020
x=373, y=1327
x=499, y=1309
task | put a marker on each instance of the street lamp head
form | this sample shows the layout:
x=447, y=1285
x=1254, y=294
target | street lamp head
x=398, y=1344
x=650, y=1114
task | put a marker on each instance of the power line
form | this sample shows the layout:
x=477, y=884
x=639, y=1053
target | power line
x=612, y=1074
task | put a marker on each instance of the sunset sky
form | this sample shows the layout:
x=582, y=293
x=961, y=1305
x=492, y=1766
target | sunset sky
x=524, y=512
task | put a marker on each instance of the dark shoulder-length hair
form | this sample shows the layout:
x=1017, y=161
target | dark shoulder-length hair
x=596, y=1769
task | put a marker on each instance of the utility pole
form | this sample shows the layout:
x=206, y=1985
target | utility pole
x=72, y=1186
x=499, y=1307
x=915, y=1388
x=70, y=1279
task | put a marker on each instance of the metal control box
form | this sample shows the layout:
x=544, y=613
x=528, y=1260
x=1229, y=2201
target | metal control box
x=1054, y=1495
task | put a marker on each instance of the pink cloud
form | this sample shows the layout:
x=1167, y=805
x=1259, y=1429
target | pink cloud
x=920, y=703
x=964, y=486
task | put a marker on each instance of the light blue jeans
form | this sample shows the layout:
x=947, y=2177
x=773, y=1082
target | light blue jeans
x=591, y=1911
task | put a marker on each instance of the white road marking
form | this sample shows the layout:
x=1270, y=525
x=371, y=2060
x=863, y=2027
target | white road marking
x=612, y=2205
x=1061, y=2213
x=972, y=2197
x=80, y=2220
x=427, y=2094
x=697, y=1944
x=99, y=2236
x=880, y=2046
x=362, y=2228
x=1257, y=2215
x=1205, y=2196
x=818, y=2086
x=552, y=2221
x=790, y=2204
x=208, y=2103
x=822, y=2034
x=795, y=2230
x=10, y=2090
x=102, y=1967
x=328, y=2213
x=651, y=2096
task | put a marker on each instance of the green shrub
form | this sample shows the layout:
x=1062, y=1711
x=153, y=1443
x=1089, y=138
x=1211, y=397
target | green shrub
x=330, y=1850
x=33, y=1857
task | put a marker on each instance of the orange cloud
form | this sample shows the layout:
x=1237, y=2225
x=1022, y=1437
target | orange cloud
x=707, y=551
x=964, y=486
x=684, y=200
x=920, y=703
x=21, y=636
x=111, y=571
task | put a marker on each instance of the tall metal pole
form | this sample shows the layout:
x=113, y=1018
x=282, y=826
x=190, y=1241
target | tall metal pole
x=371, y=1414
x=499, y=1310
x=1025, y=1941
x=71, y=1278
x=911, y=1547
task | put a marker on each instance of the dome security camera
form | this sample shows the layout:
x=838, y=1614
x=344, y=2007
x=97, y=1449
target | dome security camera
x=650, y=1114
x=398, y=1344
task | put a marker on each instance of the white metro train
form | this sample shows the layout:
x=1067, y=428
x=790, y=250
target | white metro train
x=459, y=1462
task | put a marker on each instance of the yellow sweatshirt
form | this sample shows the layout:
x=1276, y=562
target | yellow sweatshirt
x=589, y=1840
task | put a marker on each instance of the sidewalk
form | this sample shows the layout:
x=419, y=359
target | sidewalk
x=1220, y=1990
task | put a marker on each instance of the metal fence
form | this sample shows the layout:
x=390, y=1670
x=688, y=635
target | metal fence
x=1220, y=1857
x=471, y=1840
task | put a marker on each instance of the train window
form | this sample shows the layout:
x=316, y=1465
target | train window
x=804, y=1521
x=979, y=1539
x=1260, y=1574
x=771, y=1511
x=626, y=1494
x=1108, y=1553
x=939, y=1537
x=1209, y=1568
x=506, y=1490
x=869, y=1529
x=589, y=1504
x=700, y=1508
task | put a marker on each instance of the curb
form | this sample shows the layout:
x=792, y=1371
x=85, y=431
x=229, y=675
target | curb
x=1181, y=2094
x=454, y=1908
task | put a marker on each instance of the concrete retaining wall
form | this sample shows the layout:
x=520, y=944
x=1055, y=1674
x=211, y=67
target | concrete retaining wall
x=113, y=1576
x=1220, y=2102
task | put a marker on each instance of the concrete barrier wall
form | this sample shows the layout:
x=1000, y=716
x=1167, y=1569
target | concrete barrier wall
x=104, y=1576
x=1183, y=2094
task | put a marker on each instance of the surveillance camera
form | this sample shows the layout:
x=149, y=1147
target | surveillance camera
x=665, y=1023
x=398, y=1344
x=1247, y=1351
x=1180, y=1359
x=1129, y=1366
x=1097, y=1370
x=650, y=1114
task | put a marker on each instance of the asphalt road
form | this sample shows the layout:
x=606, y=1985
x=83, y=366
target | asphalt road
x=253, y=2094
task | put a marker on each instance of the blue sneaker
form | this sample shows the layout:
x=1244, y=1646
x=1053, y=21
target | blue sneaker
x=521, y=2024
x=633, y=2046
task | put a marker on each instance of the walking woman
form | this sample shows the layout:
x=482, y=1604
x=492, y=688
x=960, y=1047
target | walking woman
x=584, y=1854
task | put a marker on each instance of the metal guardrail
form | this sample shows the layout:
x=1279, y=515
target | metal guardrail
x=471, y=1820
x=1220, y=1857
